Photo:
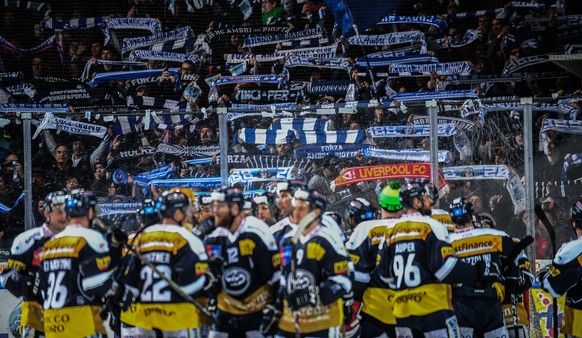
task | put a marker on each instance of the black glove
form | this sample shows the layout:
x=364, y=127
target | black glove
x=513, y=276
x=213, y=275
x=348, y=308
x=216, y=266
x=303, y=297
x=271, y=316
x=211, y=306
x=541, y=274
x=488, y=272
x=122, y=295
x=116, y=237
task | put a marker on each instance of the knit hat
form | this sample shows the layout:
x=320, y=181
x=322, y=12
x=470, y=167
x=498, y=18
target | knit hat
x=389, y=197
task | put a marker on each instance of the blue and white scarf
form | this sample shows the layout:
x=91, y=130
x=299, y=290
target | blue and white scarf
x=463, y=124
x=476, y=172
x=131, y=154
x=65, y=94
x=198, y=183
x=299, y=124
x=331, y=137
x=168, y=46
x=562, y=126
x=124, y=125
x=136, y=74
x=328, y=87
x=398, y=52
x=146, y=41
x=390, y=39
x=443, y=68
x=420, y=20
x=490, y=13
x=10, y=76
x=302, y=61
x=244, y=175
x=404, y=155
x=265, y=136
x=105, y=209
x=308, y=42
x=57, y=26
x=73, y=127
x=34, y=108
x=565, y=22
x=325, y=52
x=22, y=89
x=150, y=101
x=517, y=64
x=29, y=5
x=149, y=24
x=227, y=80
x=87, y=70
x=239, y=58
x=161, y=56
x=48, y=43
x=471, y=36
x=378, y=61
x=245, y=31
x=516, y=191
x=436, y=95
x=320, y=152
x=447, y=129
x=254, y=41
x=194, y=151
x=266, y=95
x=4, y=209
x=270, y=110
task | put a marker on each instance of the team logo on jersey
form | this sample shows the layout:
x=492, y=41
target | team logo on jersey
x=103, y=263
x=355, y=258
x=286, y=253
x=340, y=267
x=315, y=251
x=246, y=247
x=214, y=250
x=235, y=281
x=303, y=280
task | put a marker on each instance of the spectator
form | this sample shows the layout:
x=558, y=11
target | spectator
x=272, y=12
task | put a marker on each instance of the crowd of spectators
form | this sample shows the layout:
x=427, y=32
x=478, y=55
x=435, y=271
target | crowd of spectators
x=68, y=161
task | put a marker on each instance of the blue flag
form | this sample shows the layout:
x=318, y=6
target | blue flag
x=364, y=14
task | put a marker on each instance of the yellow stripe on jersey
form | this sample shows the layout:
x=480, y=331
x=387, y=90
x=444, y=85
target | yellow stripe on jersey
x=375, y=303
x=422, y=300
x=66, y=246
x=376, y=234
x=16, y=265
x=163, y=316
x=408, y=231
x=160, y=241
x=443, y=218
x=312, y=319
x=253, y=303
x=473, y=246
x=572, y=322
x=73, y=321
x=354, y=258
x=31, y=315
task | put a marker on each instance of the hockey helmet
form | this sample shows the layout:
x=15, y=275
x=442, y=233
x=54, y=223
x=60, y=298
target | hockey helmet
x=79, y=202
x=577, y=214
x=170, y=201
x=147, y=213
x=314, y=198
x=360, y=209
x=461, y=211
x=229, y=195
x=54, y=198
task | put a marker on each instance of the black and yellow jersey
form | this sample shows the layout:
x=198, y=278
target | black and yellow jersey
x=252, y=266
x=363, y=248
x=321, y=260
x=564, y=277
x=414, y=261
x=24, y=259
x=443, y=217
x=75, y=271
x=181, y=257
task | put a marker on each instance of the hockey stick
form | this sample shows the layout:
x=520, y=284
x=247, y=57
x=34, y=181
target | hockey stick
x=171, y=283
x=517, y=249
x=546, y=222
x=305, y=222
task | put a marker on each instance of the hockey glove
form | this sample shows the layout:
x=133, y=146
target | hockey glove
x=488, y=272
x=122, y=295
x=513, y=276
x=541, y=274
x=271, y=316
x=211, y=307
x=303, y=297
x=348, y=308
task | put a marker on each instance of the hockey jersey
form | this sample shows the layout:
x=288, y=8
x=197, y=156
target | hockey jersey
x=181, y=257
x=514, y=294
x=321, y=260
x=417, y=255
x=252, y=266
x=75, y=269
x=443, y=217
x=24, y=258
x=363, y=248
x=564, y=277
x=284, y=226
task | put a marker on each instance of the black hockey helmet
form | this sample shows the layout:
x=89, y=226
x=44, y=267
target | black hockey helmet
x=577, y=214
x=54, y=198
x=461, y=211
x=360, y=209
x=230, y=195
x=147, y=213
x=78, y=203
x=169, y=201
x=314, y=198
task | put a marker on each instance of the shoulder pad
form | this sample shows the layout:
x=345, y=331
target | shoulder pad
x=362, y=232
x=332, y=225
x=334, y=240
x=280, y=225
x=95, y=240
x=26, y=240
x=569, y=252
x=217, y=232
x=438, y=229
x=261, y=229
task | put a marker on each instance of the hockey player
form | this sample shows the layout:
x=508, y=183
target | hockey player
x=357, y=211
x=251, y=271
x=21, y=277
x=75, y=270
x=168, y=257
x=478, y=307
x=377, y=317
x=285, y=192
x=564, y=276
x=204, y=216
x=418, y=262
x=315, y=275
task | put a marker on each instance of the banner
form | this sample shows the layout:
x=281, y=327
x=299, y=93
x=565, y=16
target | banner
x=73, y=127
x=325, y=52
x=337, y=87
x=150, y=24
x=226, y=80
x=304, y=61
x=338, y=150
x=435, y=95
x=34, y=108
x=161, y=56
x=387, y=61
x=523, y=62
x=516, y=191
x=146, y=41
x=381, y=172
x=476, y=172
x=245, y=31
x=117, y=208
x=265, y=136
x=265, y=95
x=331, y=137
x=443, y=68
x=470, y=36
x=444, y=130
x=131, y=154
x=255, y=41
x=192, y=183
x=464, y=124
x=420, y=20
x=66, y=94
x=404, y=155
x=245, y=175
x=299, y=124
x=198, y=151
x=239, y=58
x=389, y=39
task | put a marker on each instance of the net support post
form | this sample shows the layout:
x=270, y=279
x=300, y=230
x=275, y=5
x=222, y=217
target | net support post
x=27, y=136
x=431, y=107
x=527, y=102
x=223, y=139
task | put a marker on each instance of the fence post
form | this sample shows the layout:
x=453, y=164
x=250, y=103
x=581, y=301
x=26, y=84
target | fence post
x=529, y=173
x=223, y=138
x=434, y=143
x=28, y=205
